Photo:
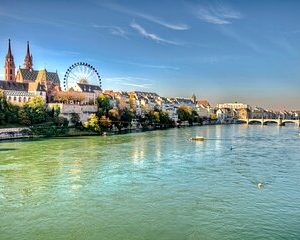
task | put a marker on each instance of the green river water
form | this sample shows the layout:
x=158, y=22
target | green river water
x=154, y=185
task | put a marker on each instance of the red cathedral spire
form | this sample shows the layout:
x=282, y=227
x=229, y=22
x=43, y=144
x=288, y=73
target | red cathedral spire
x=28, y=59
x=9, y=65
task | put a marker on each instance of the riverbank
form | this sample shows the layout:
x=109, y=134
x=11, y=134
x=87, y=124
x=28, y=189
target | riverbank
x=21, y=133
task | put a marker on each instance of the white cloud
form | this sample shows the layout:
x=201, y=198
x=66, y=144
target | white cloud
x=229, y=32
x=136, y=85
x=151, y=36
x=125, y=78
x=150, y=65
x=1, y=76
x=217, y=14
x=114, y=30
x=173, y=26
x=129, y=81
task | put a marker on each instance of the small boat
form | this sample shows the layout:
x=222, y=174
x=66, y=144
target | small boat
x=197, y=138
x=260, y=185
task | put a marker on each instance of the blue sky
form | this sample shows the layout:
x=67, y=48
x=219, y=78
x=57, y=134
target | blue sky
x=224, y=51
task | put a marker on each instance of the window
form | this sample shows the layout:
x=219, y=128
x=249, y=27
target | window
x=10, y=71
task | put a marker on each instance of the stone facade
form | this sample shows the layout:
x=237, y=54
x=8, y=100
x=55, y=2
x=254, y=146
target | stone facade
x=66, y=110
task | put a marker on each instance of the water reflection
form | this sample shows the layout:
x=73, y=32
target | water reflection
x=155, y=185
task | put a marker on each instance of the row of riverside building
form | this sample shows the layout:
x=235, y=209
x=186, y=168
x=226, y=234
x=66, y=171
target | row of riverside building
x=21, y=85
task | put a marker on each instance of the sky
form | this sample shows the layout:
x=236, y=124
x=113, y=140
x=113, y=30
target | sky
x=222, y=51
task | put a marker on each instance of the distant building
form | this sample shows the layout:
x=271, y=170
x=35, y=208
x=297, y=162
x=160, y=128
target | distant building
x=203, y=108
x=90, y=91
x=203, y=102
x=236, y=106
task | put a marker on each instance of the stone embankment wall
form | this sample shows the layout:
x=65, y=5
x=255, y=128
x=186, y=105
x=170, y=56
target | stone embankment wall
x=14, y=133
x=83, y=111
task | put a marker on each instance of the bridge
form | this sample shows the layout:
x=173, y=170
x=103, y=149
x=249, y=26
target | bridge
x=265, y=121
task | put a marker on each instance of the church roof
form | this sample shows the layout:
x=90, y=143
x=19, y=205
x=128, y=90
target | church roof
x=32, y=75
x=28, y=74
x=18, y=86
x=88, y=87
x=53, y=77
x=7, y=85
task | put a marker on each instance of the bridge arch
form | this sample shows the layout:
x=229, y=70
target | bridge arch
x=270, y=121
x=253, y=121
x=242, y=121
x=296, y=122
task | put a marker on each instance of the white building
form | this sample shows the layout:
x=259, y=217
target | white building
x=235, y=106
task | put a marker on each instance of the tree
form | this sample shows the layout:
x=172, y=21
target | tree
x=93, y=123
x=24, y=118
x=104, y=122
x=121, y=104
x=132, y=103
x=75, y=119
x=69, y=96
x=114, y=115
x=155, y=117
x=165, y=120
x=35, y=110
x=12, y=113
x=103, y=105
x=3, y=107
x=185, y=114
x=126, y=118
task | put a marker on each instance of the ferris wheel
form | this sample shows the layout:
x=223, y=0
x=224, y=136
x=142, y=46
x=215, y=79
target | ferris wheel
x=81, y=72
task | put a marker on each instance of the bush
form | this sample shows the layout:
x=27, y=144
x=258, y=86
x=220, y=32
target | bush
x=48, y=130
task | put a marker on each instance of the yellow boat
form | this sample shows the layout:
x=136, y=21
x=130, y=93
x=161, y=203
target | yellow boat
x=197, y=138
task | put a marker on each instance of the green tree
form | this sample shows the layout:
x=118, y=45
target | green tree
x=114, y=115
x=24, y=118
x=75, y=119
x=103, y=105
x=93, y=123
x=3, y=107
x=165, y=120
x=12, y=113
x=126, y=118
x=155, y=117
x=185, y=114
x=35, y=110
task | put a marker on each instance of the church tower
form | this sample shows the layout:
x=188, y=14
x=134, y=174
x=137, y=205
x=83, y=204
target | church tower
x=9, y=65
x=28, y=59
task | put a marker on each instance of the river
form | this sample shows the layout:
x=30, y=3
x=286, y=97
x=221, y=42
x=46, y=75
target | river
x=154, y=185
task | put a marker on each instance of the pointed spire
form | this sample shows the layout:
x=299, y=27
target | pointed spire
x=9, y=54
x=28, y=58
x=9, y=65
x=28, y=50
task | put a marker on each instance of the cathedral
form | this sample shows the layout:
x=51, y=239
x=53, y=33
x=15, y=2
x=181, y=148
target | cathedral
x=19, y=87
